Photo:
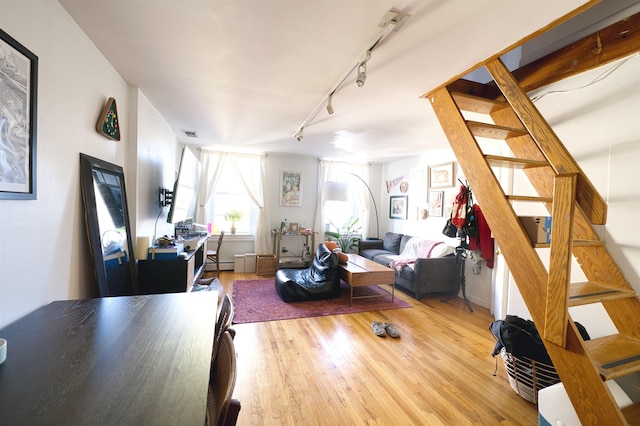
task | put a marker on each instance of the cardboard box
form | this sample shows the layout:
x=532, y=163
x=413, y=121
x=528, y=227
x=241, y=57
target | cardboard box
x=250, y=262
x=538, y=228
x=238, y=263
x=165, y=253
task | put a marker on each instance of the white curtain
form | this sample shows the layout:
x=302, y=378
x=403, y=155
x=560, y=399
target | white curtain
x=212, y=163
x=358, y=194
x=251, y=169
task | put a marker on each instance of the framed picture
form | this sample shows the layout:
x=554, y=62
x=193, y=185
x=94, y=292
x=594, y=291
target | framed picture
x=398, y=207
x=436, y=203
x=441, y=176
x=290, y=189
x=293, y=228
x=18, y=96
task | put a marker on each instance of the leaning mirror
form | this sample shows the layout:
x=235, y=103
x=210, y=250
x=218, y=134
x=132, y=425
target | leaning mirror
x=107, y=221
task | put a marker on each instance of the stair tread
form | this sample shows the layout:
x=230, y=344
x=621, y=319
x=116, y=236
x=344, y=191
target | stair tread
x=585, y=293
x=576, y=243
x=472, y=103
x=534, y=199
x=616, y=355
x=493, y=131
x=515, y=163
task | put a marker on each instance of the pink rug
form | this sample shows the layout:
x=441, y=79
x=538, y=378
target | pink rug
x=258, y=301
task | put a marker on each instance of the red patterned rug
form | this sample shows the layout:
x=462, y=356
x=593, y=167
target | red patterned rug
x=258, y=301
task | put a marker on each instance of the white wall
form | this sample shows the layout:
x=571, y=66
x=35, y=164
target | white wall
x=45, y=254
x=156, y=165
x=304, y=214
x=415, y=172
x=48, y=257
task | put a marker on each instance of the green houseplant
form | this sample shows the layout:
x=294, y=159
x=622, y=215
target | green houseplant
x=233, y=217
x=347, y=235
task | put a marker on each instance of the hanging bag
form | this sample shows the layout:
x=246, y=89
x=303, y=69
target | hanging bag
x=471, y=224
x=449, y=229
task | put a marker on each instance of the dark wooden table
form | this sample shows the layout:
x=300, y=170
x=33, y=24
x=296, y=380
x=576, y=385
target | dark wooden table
x=117, y=360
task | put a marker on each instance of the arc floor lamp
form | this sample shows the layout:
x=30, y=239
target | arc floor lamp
x=337, y=191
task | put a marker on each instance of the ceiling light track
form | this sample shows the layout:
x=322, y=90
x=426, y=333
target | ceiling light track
x=390, y=22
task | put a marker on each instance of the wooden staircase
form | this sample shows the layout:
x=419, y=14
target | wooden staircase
x=575, y=206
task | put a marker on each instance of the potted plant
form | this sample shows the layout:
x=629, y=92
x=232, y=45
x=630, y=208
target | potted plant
x=233, y=216
x=346, y=235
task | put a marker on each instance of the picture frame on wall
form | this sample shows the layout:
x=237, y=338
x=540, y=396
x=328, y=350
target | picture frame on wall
x=441, y=176
x=290, y=189
x=398, y=207
x=436, y=203
x=19, y=81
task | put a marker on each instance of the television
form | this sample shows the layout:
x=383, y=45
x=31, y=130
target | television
x=185, y=189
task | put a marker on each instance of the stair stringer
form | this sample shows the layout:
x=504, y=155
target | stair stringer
x=575, y=368
x=596, y=263
x=543, y=135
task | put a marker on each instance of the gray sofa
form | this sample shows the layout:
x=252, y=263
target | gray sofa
x=426, y=277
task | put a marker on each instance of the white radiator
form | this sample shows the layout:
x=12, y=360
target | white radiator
x=231, y=246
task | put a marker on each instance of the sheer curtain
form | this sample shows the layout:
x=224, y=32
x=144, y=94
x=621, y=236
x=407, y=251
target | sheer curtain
x=252, y=173
x=251, y=170
x=212, y=163
x=358, y=194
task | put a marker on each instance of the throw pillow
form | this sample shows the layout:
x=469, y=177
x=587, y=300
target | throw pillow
x=331, y=245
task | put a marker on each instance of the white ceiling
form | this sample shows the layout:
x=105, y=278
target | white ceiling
x=246, y=74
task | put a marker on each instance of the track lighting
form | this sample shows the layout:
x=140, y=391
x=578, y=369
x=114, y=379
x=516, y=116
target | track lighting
x=329, y=105
x=362, y=74
x=390, y=22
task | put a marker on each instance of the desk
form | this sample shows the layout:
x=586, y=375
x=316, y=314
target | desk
x=115, y=360
x=359, y=271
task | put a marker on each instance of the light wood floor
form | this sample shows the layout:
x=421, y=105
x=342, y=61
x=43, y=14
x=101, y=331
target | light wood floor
x=335, y=371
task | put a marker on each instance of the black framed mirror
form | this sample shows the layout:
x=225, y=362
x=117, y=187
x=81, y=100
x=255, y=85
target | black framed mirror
x=107, y=221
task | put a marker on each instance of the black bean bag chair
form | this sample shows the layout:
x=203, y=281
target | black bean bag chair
x=321, y=280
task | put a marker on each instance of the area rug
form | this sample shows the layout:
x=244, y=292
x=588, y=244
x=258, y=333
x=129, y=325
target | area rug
x=258, y=301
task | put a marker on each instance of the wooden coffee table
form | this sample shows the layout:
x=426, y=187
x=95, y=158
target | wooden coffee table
x=359, y=271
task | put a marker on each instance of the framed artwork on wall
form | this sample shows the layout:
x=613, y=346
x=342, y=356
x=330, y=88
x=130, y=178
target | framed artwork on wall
x=441, y=176
x=18, y=96
x=290, y=189
x=436, y=203
x=398, y=207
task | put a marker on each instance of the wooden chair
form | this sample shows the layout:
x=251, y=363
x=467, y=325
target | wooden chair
x=213, y=255
x=225, y=319
x=221, y=408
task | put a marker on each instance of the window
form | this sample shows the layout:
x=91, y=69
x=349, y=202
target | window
x=336, y=214
x=229, y=195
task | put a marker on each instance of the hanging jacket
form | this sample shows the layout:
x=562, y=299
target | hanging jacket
x=483, y=241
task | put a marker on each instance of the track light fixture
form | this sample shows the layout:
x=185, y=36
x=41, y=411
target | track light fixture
x=362, y=74
x=329, y=105
x=389, y=23
x=362, y=70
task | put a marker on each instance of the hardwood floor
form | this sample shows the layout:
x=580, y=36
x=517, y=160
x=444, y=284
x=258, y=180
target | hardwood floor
x=335, y=371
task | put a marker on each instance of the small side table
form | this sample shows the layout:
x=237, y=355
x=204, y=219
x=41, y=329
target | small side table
x=277, y=248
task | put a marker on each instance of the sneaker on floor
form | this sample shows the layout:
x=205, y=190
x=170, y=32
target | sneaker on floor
x=378, y=329
x=391, y=329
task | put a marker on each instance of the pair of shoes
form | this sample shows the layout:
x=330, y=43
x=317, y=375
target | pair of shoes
x=391, y=329
x=381, y=329
x=378, y=329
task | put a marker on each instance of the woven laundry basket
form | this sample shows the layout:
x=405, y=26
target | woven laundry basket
x=527, y=376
